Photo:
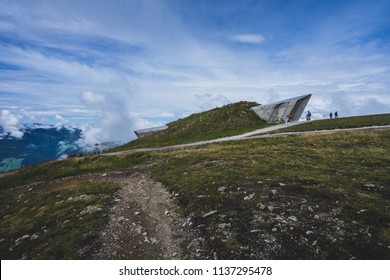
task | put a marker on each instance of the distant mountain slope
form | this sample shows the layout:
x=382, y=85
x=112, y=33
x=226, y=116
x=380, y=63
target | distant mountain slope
x=37, y=145
x=228, y=120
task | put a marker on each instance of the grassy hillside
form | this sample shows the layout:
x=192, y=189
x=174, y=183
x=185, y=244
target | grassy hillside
x=228, y=120
x=349, y=122
x=319, y=196
x=313, y=196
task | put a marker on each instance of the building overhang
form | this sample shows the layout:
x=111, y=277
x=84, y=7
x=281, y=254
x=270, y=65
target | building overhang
x=292, y=108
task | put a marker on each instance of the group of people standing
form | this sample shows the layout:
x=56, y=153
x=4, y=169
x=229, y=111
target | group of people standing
x=308, y=117
x=336, y=115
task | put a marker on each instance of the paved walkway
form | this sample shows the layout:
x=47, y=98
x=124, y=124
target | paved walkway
x=259, y=133
x=206, y=142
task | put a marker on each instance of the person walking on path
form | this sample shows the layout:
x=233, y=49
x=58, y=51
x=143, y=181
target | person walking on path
x=336, y=115
x=330, y=115
x=308, y=116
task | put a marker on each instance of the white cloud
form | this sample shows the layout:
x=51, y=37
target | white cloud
x=248, y=38
x=10, y=124
x=115, y=121
x=211, y=101
x=91, y=98
x=27, y=115
x=62, y=122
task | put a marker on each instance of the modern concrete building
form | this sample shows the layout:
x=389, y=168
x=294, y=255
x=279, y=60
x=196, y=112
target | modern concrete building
x=149, y=131
x=276, y=111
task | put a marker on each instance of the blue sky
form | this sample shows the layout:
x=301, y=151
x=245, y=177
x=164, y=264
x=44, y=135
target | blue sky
x=114, y=66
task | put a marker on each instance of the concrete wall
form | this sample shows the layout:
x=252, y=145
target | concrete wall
x=279, y=110
x=149, y=131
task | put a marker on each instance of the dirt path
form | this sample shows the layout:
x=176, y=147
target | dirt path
x=143, y=222
x=205, y=142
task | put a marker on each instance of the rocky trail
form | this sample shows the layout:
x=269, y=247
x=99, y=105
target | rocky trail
x=144, y=223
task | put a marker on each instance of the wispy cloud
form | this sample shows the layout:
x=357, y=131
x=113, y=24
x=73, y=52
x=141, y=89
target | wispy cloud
x=248, y=38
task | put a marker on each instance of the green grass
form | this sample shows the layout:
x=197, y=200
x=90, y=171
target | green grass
x=228, y=120
x=54, y=218
x=69, y=167
x=350, y=122
x=329, y=172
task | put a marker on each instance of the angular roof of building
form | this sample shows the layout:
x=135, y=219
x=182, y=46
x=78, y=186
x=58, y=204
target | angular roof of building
x=287, y=100
x=279, y=110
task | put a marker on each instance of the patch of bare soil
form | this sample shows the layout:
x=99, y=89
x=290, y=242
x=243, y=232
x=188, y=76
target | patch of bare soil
x=144, y=223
